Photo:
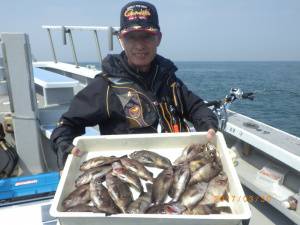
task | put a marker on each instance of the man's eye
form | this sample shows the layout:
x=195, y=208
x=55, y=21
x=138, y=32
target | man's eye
x=149, y=38
x=137, y=38
x=128, y=38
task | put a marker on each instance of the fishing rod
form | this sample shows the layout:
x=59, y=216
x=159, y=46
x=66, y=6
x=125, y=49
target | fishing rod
x=220, y=107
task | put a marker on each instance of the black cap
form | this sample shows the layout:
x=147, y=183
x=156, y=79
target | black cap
x=139, y=15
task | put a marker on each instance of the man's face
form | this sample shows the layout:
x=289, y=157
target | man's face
x=140, y=48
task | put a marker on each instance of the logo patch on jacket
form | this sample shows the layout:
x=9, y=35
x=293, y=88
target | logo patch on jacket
x=135, y=111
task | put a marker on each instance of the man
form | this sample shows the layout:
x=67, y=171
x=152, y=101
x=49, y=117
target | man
x=137, y=92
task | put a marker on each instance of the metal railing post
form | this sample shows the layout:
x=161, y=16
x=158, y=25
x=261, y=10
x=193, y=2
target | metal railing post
x=52, y=45
x=73, y=47
x=98, y=46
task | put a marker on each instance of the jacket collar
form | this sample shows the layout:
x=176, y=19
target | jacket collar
x=116, y=65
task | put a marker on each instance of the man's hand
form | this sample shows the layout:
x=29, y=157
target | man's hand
x=76, y=152
x=211, y=133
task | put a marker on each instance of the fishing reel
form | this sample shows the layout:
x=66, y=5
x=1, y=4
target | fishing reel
x=220, y=107
x=237, y=93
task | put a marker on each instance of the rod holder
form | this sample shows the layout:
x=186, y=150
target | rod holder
x=64, y=35
x=110, y=38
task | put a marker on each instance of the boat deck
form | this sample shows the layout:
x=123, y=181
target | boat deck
x=276, y=143
x=264, y=213
x=69, y=68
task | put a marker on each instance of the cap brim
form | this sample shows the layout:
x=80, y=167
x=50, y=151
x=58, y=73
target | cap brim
x=152, y=31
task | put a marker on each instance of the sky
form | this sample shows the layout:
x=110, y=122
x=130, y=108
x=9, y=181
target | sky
x=193, y=30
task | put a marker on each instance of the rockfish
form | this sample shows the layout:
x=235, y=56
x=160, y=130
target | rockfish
x=162, y=185
x=119, y=192
x=80, y=195
x=151, y=159
x=137, y=168
x=98, y=161
x=125, y=175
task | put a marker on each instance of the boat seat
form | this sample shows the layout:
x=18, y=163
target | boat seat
x=49, y=116
x=48, y=129
x=55, y=88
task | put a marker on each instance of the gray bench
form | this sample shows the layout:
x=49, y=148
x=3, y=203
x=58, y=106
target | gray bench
x=48, y=129
x=55, y=88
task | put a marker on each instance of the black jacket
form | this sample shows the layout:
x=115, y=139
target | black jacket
x=122, y=101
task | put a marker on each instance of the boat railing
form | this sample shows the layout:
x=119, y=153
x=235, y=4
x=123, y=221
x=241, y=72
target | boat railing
x=68, y=31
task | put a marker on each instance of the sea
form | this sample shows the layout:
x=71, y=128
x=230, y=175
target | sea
x=276, y=86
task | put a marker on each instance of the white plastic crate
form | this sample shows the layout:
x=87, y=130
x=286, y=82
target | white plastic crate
x=168, y=145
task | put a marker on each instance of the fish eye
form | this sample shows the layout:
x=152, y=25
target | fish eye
x=98, y=181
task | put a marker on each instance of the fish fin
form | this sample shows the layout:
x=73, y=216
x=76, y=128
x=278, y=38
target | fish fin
x=149, y=187
x=150, y=173
x=174, y=167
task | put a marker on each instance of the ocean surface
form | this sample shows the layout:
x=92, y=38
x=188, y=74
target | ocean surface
x=276, y=86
